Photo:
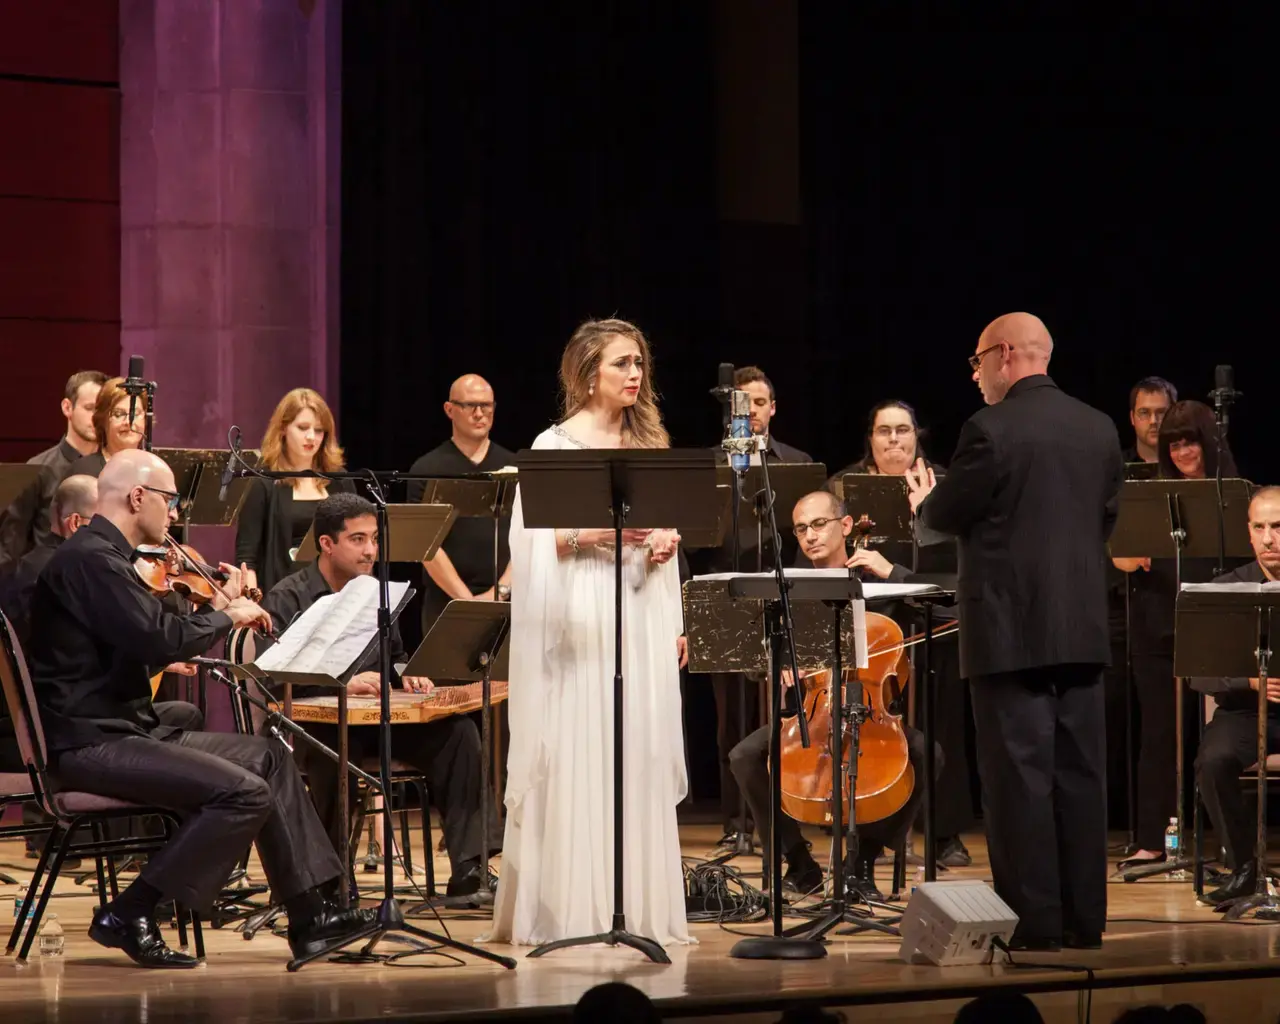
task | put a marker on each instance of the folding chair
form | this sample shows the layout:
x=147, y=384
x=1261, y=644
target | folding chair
x=70, y=809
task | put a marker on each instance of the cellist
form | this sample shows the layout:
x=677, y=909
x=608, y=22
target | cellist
x=821, y=526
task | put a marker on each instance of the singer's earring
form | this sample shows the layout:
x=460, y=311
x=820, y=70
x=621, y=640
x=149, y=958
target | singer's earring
x=591, y=390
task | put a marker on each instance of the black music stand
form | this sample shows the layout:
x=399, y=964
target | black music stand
x=469, y=641
x=482, y=496
x=1227, y=630
x=883, y=499
x=617, y=488
x=197, y=474
x=15, y=479
x=787, y=482
x=926, y=692
x=1180, y=519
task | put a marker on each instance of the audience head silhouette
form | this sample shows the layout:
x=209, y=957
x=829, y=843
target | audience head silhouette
x=999, y=1008
x=616, y=1002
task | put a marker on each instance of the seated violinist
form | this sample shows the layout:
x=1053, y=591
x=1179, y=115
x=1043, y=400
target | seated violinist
x=821, y=526
x=96, y=634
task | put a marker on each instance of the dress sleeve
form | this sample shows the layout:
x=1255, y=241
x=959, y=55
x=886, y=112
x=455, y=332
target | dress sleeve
x=538, y=610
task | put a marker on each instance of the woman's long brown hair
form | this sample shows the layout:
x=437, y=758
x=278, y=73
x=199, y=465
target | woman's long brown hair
x=642, y=423
x=328, y=458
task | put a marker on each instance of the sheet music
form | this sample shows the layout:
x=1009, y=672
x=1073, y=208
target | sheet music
x=333, y=632
x=1232, y=588
x=870, y=591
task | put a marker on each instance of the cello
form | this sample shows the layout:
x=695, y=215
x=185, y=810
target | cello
x=885, y=777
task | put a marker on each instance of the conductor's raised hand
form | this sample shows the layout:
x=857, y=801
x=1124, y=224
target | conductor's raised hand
x=920, y=482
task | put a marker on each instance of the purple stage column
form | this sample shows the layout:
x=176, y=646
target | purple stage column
x=229, y=192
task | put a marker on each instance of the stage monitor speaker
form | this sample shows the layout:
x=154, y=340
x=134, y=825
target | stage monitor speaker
x=949, y=923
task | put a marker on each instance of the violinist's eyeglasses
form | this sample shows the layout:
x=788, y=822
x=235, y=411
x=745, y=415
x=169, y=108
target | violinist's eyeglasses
x=816, y=526
x=484, y=407
x=172, y=497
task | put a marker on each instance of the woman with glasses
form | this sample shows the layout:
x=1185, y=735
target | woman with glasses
x=115, y=431
x=276, y=514
x=892, y=446
x=1186, y=450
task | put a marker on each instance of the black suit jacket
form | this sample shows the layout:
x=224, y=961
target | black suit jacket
x=1032, y=494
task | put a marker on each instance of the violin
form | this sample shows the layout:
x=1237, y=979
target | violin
x=885, y=778
x=173, y=568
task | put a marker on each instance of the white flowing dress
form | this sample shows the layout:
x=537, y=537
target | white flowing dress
x=557, y=862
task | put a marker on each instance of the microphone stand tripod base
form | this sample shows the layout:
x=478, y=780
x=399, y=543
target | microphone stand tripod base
x=778, y=947
x=618, y=936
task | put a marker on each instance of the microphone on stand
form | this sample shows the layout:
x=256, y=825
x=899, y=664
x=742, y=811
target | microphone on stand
x=133, y=384
x=228, y=474
x=724, y=387
x=1224, y=391
x=740, y=444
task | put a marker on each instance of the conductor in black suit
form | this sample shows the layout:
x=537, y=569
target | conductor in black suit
x=1032, y=495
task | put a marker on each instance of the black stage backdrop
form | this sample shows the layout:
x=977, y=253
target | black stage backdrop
x=510, y=169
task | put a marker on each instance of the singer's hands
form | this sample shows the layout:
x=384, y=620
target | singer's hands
x=662, y=545
x=244, y=612
x=682, y=651
x=872, y=561
x=920, y=482
x=1132, y=564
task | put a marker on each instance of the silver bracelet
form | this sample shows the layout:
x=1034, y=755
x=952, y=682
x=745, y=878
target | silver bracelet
x=571, y=538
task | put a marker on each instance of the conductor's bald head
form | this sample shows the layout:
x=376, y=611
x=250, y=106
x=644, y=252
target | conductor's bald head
x=1011, y=347
x=135, y=490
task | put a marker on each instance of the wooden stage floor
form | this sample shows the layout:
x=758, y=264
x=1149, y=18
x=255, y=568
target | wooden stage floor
x=1160, y=947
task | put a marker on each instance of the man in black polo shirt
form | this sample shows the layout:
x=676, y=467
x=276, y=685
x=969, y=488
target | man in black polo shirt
x=463, y=567
x=446, y=751
x=25, y=524
x=1230, y=742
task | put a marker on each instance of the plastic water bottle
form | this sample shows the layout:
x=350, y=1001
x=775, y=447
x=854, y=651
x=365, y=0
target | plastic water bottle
x=51, y=937
x=1171, y=849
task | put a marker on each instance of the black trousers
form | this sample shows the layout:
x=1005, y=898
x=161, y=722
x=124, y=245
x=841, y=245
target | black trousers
x=737, y=716
x=1156, y=778
x=1042, y=758
x=1230, y=745
x=750, y=764
x=228, y=791
x=446, y=751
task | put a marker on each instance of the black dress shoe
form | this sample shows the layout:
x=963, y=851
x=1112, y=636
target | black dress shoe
x=803, y=876
x=140, y=939
x=860, y=880
x=309, y=937
x=1081, y=940
x=952, y=853
x=1241, y=882
x=472, y=882
x=1034, y=943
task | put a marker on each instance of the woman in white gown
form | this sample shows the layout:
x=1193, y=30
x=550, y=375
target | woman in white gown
x=557, y=864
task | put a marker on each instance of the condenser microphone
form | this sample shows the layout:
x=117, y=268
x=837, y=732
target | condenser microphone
x=133, y=384
x=741, y=443
x=724, y=385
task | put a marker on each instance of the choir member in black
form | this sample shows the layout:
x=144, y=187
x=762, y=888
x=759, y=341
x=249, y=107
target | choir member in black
x=97, y=634
x=1149, y=402
x=25, y=524
x=737, y=696
x=1230, y=743
x=893, y=445
x=447, y=751
x=1187, y=451
x=113, y=428
x=463, y=567
x=821, y=526
x=1032, y=493
x=276, y=514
